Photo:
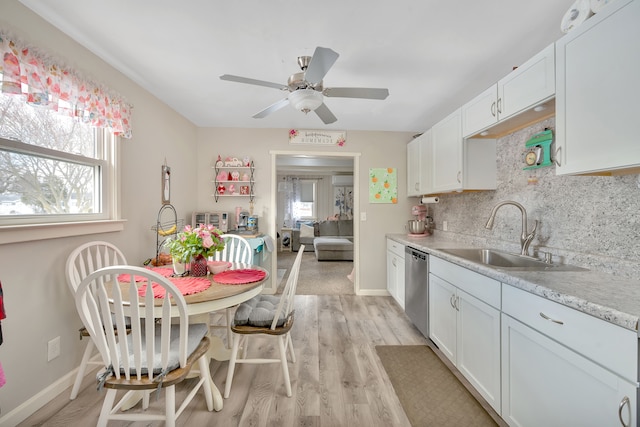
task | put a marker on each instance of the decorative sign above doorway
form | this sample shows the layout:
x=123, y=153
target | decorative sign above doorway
x=317, y=137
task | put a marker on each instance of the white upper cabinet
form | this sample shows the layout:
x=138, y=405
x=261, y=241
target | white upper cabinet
x=419, y=165
x=461, y=164
x=447, y=153
x=598, y=93
x=530, y=84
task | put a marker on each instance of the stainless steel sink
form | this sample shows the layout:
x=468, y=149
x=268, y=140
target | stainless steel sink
x=508, y=261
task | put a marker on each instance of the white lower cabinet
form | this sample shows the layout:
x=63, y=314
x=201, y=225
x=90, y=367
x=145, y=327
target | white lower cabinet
x=395, y=271
x=466, y=328
x=546, y=384
x=561, y=367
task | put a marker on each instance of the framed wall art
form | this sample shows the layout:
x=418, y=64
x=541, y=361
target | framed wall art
x=383, y=185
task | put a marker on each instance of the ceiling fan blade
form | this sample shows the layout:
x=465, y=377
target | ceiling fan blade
x=246, y=80
x=322, y=60
x=271, y=108
x=356, y=92
x=325, y=114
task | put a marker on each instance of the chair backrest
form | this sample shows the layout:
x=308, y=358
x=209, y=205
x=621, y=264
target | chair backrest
x=236, y=249
x=286, y=300
x=128, y=292
x=89, y=257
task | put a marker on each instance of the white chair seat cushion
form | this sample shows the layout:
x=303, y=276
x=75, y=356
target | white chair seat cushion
x=259, y=311
x=196, y=332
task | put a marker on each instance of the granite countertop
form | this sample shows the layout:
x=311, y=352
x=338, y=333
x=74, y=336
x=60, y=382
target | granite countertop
x=616, y=300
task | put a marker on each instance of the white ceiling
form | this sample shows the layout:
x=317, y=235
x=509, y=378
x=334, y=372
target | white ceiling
x=432, y=55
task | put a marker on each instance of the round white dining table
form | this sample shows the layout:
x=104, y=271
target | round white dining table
x=216, y=297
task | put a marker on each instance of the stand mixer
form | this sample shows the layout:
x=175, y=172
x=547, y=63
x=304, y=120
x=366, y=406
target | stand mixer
x=419, y=225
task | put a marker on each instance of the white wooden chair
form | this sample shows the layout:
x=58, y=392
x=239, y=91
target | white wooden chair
x=236, y=249
x=272, y=318
x=176, y=345
x=82, y=261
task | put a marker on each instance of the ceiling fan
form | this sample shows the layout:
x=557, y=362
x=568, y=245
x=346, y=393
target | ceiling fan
x=306, y=90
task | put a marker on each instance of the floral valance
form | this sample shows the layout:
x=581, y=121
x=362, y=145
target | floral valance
x=28, y=72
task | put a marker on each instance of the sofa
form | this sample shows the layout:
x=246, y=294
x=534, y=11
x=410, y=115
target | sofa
x=330, y=239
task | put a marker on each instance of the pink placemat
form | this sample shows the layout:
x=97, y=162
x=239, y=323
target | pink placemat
x=163, y=271
x=239, y=277
x=186, y=285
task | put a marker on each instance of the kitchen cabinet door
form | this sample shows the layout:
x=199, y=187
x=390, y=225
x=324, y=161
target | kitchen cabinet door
x=481, y=112
x=478, y=346
x=442, y=316
x=395, y=271
x=598, y=90
x=413, y=168
x=447, y=153
x=419, y=165
x=530, y=84
x=547, y=384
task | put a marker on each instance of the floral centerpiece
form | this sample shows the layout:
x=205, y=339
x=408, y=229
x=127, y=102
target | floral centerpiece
x=195, y=245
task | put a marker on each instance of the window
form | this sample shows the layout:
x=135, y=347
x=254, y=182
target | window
x=305, y=206
x=53, y=168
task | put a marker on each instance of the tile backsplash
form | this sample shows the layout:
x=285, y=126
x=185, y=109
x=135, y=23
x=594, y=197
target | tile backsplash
x=593, y=222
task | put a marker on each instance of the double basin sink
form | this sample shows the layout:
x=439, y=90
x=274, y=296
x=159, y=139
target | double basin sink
x=508, y=261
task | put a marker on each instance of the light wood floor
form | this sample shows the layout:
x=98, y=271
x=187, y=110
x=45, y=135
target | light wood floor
x=337, y=381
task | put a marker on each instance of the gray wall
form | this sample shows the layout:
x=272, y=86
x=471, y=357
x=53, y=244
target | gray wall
x=590, y=221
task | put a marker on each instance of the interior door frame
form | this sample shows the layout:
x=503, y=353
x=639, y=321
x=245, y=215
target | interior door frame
x=356, y=207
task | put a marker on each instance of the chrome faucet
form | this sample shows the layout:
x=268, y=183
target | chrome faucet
x=526, y=237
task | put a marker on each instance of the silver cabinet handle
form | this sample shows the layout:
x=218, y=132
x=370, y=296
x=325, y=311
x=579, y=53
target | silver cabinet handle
x=499, y=105
x=458, y=177
x=457, y=303
x=493, y=108
x=623, y=402
x=453, y=304
x=393, y=261
x=556, y=157
x=545, y=317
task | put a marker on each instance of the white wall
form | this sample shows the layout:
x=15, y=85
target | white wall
x=38, y=303
x=376, y=149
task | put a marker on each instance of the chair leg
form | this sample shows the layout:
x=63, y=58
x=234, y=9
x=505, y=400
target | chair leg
x=283, y=360
x=290, y=346
x=109, y=398
x=229, y=334
x=82, y=368
x=170, y=406
x=232, y=367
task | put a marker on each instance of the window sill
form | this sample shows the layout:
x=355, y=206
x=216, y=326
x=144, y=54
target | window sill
x=31, y=232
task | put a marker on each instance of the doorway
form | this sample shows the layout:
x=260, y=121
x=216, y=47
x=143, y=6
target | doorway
x=319, y=164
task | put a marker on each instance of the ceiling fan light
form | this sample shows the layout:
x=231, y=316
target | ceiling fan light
x=305, y=100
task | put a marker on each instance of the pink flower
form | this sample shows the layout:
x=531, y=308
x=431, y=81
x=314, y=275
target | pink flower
x=207, y=242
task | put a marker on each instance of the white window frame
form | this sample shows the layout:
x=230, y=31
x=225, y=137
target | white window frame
x=23, y=228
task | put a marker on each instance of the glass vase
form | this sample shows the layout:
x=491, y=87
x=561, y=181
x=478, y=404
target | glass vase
x=199, y=266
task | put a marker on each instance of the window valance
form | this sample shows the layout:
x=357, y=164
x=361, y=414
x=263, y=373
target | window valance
x=43, y=81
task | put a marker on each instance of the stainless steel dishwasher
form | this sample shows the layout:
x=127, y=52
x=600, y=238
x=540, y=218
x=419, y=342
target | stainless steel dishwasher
x=416, y=297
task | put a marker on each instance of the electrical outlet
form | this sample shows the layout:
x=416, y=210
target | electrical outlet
x=363, y=216
x=445, y=226
x=53, y=349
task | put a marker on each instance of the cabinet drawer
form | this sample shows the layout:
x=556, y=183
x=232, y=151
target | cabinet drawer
x=609, y=345
x=395, y=247
x=481, y=287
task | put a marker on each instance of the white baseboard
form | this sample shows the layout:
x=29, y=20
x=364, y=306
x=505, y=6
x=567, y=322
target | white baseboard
x=28, y=408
